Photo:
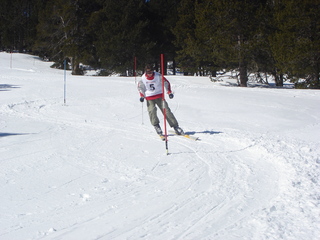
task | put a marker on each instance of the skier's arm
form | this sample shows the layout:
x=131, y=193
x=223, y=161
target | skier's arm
x=167, y=85
x=141, y=88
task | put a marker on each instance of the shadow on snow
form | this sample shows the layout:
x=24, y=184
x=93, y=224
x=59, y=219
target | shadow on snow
x=6, y=87
x=205, y=132
x=10, y=134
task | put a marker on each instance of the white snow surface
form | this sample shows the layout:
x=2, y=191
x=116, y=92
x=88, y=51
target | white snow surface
x=94, y=168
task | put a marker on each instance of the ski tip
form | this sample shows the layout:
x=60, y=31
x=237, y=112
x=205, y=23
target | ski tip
x=186, y=135
x=191, y=137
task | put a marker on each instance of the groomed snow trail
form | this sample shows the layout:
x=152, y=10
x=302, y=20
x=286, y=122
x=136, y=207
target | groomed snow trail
x=92, y=170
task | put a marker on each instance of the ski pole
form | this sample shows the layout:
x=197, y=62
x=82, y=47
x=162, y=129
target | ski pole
x=142, y=113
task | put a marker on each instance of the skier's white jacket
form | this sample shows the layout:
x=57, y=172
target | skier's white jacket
x=151, y=87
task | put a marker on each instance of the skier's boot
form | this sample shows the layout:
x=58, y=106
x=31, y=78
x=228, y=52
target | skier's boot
x=178, y=131
x=158, y=130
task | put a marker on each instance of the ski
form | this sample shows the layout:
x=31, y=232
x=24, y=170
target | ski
x=190, y=137
x=186, y=136
x=162, y=137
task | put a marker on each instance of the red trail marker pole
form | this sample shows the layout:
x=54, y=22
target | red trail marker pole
x=163, y=103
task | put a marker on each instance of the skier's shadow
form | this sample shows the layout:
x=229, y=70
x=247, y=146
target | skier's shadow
x=10, y=134
x=205, y=132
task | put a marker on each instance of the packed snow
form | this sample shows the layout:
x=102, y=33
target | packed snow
x=94, y=168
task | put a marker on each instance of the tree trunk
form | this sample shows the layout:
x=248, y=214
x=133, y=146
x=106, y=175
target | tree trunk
x=242, y=64
x=278, y=78
x=243, y=73
x=279, y=82
x=174, y=67
x=75, y=67
x=214, y=73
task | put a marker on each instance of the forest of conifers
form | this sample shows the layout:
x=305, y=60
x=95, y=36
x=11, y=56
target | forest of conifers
x=279, y=38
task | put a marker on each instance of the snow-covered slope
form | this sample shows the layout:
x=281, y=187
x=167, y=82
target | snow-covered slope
x=95, y=169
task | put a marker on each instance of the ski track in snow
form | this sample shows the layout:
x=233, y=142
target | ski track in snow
x=91, y=170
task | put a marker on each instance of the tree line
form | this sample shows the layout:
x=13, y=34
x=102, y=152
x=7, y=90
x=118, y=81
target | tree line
x=265, y=37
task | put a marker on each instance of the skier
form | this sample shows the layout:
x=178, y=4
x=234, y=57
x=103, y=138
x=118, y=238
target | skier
x=150, y=88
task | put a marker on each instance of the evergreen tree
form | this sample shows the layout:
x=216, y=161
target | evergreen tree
x=295, y=43
x=229, y=30
x=18, y=20
x=162, y=16
x=184, y=31
x=121, y=34
x=135, y=28
x=281, y=37
x=63, y=31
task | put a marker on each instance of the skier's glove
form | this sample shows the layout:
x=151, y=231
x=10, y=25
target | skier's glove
x=141, y=99
x=171, y=95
